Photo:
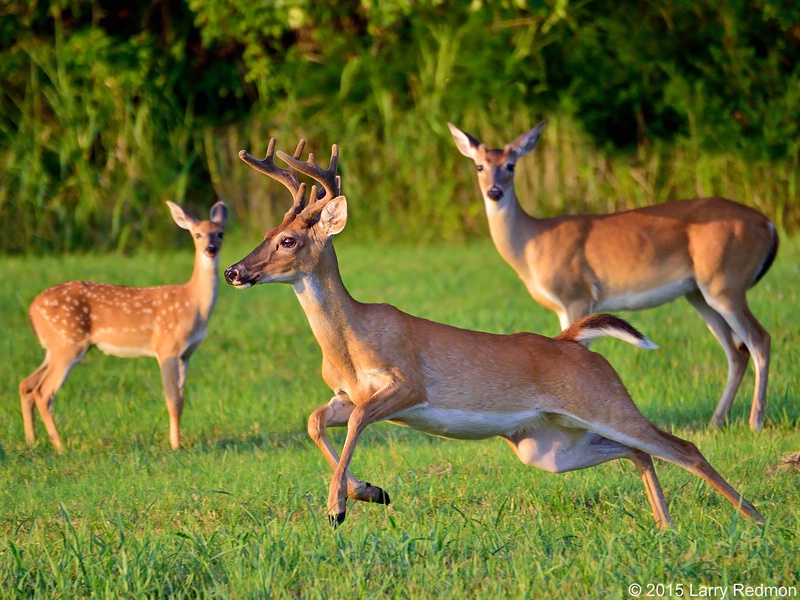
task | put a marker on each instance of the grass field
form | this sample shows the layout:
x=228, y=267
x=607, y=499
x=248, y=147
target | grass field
x=240, y=512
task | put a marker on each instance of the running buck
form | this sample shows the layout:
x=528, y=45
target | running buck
x=166, y=322
x=559, y=406
x=709, y=250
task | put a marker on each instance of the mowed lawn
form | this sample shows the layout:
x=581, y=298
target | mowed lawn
x=240, y=511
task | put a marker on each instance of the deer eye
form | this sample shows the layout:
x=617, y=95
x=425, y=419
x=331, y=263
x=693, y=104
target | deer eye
x=510, y=167
x=288, y=242
x=197, y=235
x=221, y=235
x=480, y=167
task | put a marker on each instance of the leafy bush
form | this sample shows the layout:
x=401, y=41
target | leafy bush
x=106, y=109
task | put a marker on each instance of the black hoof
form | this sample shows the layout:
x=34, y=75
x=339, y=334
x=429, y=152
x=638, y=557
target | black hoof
x=375, y=494
x=336, y=520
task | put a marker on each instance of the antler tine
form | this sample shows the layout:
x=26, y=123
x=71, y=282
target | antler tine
x=267, y=166
x=297, y=207
x=326, y=177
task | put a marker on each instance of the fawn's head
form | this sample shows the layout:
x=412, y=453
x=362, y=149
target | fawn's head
x=293, y=248
x=207, y=235
x=496, y=167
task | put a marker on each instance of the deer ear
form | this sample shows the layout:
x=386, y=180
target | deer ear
x=525, y=143
x=219, y=213
x=184, y=219
x=467, y=145
x=334, y=216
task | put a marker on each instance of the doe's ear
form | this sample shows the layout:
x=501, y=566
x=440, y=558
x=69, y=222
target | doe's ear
x=219, y=213
x=334, y=216
x=184, y=219
x=467, y=145
x=526, y=142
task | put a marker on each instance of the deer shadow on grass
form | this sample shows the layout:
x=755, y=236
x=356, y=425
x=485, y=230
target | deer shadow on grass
x=384, y=435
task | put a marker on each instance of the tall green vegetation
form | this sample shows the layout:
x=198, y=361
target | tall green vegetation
x=107, y=109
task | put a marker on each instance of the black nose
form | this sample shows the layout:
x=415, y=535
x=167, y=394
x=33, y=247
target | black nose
x=495, y=193
x=231, y=274
x=211, y=250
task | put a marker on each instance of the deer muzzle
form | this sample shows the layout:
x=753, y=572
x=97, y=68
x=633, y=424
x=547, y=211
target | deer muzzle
x=237, y=276
x=495, y=193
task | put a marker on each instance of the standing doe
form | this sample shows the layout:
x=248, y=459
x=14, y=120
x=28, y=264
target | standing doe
x=559, y=406
x=167, y=322
x=709, y=250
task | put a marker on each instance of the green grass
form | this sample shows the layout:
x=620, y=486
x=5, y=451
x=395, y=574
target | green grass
x=240, y=512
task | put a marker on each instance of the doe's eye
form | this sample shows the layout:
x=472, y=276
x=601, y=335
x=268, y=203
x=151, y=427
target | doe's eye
x=197, y=235
x=221, y=235
x=480, y=167
x=510, y=167
x=288, y=242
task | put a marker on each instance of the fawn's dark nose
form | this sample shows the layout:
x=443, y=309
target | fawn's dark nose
x=211, y=250
x=495, y=193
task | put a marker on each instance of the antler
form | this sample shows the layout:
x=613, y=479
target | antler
x=327, y=177
x=287, y=177
x=331, y=182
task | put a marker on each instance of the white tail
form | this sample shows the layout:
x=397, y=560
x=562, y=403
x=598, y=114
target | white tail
x=560, y=406
x=166, y=322
x=709, y=250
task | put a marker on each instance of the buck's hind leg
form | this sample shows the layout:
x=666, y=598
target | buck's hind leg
x=644, y=463
x=336, y=413
x=691, y=459
x=558, y=450
x=646, y=437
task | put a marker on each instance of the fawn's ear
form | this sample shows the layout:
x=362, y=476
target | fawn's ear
x=467, y=145
x=526, y=142
x=184, y=219
x=334, y=216
x=219, y=213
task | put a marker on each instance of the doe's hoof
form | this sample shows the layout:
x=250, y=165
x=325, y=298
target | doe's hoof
x=336, y=520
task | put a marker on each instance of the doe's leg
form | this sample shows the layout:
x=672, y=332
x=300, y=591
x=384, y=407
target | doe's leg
x=755, y=337
x=735, y=351
x=28, y=389
x=40, y=388
x=173, y=390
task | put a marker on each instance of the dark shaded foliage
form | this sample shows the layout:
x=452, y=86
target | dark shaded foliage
x=107, y=108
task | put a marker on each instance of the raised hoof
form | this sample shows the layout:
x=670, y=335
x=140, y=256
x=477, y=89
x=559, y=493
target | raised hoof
x=371, y=493
x=336, y=520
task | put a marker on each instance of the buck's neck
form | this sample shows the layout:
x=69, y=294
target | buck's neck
x=203, y=285
x=511, y=228
x=328, y=305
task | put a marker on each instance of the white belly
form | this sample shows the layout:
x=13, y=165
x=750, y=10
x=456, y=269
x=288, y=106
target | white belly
x=465, y=424
x=123, y=352
x=647, y=298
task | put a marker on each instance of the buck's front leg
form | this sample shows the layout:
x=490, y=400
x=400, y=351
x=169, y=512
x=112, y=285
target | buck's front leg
x=386, y=402
x=336, y=414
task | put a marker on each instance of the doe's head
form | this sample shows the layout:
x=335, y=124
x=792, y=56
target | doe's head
x=495, y=167
x=207, y=235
